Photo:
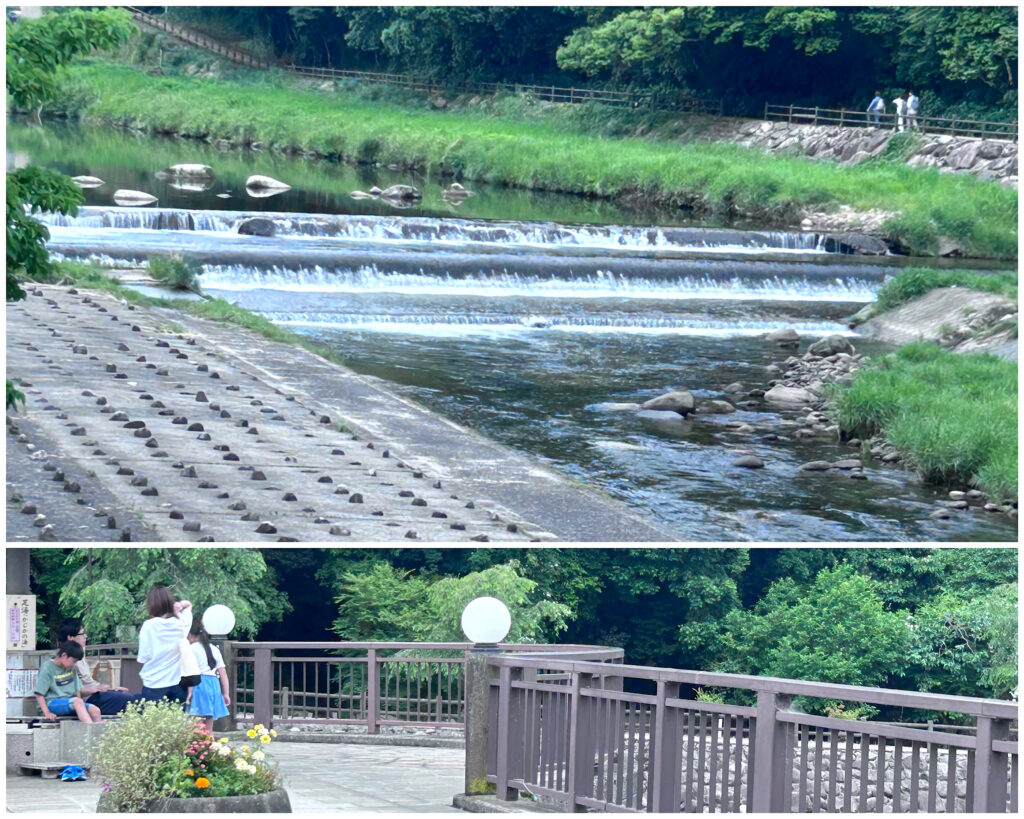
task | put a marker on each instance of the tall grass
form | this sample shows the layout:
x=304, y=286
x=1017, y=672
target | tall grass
x=916, y=281
x=555, y=151
x=953, y=417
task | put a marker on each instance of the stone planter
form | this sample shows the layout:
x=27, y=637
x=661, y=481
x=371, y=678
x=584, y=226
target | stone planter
x=273, y=802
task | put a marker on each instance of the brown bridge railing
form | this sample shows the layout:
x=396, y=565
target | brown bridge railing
x=984, y=129
x=584, y=742
x=233, y=53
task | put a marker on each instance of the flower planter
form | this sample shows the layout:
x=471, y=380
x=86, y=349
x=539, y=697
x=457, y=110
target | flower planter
x=272, y=802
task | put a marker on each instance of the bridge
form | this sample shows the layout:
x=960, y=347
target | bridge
x=575, y=728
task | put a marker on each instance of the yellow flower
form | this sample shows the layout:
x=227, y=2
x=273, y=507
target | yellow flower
x=264, y=739
x=222, y=739
x=273, y=733
x=202, y=782
x=258, y=726
x=251, y=733
x=189, y=772
x=244, y=748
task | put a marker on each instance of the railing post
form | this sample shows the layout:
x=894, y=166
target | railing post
x=580, y=763
x=989, y=767
x=372, y=692
x=510, y=734
x=263, y=688
x=230, y=722
x=666, y=760
x=768, y=791
x=478, y=692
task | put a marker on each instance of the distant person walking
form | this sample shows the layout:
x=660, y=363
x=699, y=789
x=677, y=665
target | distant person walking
x=901, y=111
x=912, y=105
x=211, y=697
x=875, y=109
x=159, y=653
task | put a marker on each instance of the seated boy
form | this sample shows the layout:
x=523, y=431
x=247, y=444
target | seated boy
x=57, y=686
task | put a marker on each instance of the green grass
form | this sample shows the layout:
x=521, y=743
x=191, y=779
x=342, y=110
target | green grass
x=916, y=281
x=174, y=271
x=553, y=149
x=953, y=417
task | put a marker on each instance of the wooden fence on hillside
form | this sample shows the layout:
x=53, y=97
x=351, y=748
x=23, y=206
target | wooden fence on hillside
x=843, y=117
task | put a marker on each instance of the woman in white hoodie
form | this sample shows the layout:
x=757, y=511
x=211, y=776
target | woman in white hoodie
x=159, y=636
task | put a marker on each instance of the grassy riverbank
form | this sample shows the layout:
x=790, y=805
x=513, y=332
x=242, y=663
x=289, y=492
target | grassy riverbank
x=555, y=151
x=953, y=417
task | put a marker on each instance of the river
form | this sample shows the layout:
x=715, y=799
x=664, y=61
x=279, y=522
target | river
x=529, y=317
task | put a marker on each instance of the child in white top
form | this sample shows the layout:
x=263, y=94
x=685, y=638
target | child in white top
x=210, y=698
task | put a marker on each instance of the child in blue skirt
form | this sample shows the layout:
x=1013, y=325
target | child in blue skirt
x=210, y=698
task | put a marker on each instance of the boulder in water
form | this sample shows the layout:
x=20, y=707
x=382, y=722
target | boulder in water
x=784, y=338
x=87, y=181
x=129, y=198
x=830, y=345
x=715, y=407
x=257, y=226
x=260, y=182
x=186, y=170
x=790, y=396
x=749, y=462
x=456, y=191
x=404, y=193
x=363, y=195
x=680, y=401
x=192, y=186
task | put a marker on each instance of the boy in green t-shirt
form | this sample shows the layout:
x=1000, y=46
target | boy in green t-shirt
x=57, y=686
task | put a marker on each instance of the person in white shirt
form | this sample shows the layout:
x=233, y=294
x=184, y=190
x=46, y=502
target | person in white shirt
x=159, y=654
x=901, y=111
x=211, y=697
x=912, y=104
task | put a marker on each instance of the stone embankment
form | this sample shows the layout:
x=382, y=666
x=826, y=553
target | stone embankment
x=149, y=424
x=991, y=159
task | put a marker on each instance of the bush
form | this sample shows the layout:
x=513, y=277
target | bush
x=132, y=752
x=174, y=271
x=952, y=417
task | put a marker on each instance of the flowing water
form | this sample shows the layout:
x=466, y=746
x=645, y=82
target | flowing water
x=533, y=320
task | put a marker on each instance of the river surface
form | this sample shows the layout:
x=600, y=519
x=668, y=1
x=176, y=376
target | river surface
x=529, y=318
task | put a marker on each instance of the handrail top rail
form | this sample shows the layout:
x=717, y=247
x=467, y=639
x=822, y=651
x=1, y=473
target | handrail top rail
x=571, y=648
x=976, y=706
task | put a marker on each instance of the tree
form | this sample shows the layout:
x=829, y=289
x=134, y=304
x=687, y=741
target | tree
x=385, y=603
x=108, y=591
x=967, y=644
x=37, y=50
x=837, y=629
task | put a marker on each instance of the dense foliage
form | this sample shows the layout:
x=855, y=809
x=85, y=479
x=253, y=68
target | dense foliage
x=941, y=620
x=961, y=59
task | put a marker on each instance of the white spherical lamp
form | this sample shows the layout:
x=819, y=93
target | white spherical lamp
x=486, y=621
x=218, y=620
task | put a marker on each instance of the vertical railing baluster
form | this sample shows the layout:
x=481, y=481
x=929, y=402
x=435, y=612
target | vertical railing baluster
x=897, y=776
x=915, y=773
x=880, y=778
x=373, y=692
x=818, y=770
x=933, y=776
x=713, y=750
x=989, y=767
x=263, y=687
x=833, y=768
x=951, y=766
x=804, y=771
x=690, y=717
x=865, y=761
x=666, y=761
x=848, y=774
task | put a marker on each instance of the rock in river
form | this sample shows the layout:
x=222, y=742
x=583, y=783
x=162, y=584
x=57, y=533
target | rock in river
x=87, y=181
x=128, y=198
x=784, y=338
x=257, y=226
x=790, y=396
x=749, y=462
x=680, y=401
x=830, y=345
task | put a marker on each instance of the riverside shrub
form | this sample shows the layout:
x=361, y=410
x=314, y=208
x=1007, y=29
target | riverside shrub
x=133, y=752
x=916, y=281
x=952, y=417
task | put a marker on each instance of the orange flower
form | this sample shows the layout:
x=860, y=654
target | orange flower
x=202, y=782
x=189, y=772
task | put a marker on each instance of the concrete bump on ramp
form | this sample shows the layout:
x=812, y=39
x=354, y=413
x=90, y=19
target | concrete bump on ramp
x=207, y=432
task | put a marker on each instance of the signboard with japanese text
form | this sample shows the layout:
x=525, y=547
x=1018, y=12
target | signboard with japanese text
x=21, y=622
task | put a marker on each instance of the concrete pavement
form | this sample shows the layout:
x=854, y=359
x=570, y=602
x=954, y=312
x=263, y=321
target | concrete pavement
x=161, y=426
x=319, y=778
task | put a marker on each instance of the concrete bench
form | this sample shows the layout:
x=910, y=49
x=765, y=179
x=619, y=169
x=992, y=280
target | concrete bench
x=48, y=747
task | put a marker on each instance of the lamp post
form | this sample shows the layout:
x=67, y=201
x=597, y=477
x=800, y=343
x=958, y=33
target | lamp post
x=485, y=622
x=218, y=620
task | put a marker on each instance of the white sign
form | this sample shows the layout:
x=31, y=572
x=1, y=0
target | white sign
x=21, y=622
x=20, y=682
